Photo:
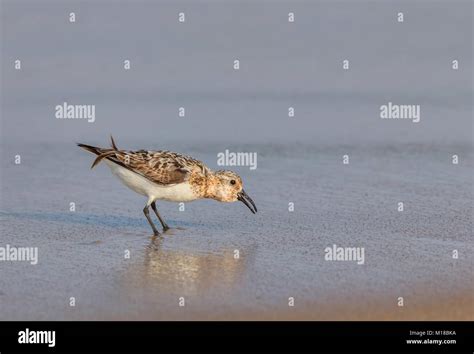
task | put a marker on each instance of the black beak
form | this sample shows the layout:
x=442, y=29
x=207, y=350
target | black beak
x=244, y=198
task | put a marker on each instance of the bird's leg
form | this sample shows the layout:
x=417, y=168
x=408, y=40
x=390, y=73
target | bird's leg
x=165, y=227
x=147, y=214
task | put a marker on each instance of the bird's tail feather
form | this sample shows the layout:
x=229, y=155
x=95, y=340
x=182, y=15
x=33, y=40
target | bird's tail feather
x=100, y=152
x=102, y=156
x=113, y=143
x=90, y=148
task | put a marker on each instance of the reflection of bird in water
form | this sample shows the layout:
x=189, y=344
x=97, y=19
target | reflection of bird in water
x=170, y=176
x=191, y=270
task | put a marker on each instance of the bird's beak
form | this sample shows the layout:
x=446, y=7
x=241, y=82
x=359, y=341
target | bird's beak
x=244, y=198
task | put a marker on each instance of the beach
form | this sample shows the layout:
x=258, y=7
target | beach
x=358, y=131
x=82, y=253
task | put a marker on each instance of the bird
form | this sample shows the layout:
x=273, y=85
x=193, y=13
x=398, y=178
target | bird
x=170, y=176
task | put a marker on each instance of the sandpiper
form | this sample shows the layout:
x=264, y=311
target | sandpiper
x=170, y=176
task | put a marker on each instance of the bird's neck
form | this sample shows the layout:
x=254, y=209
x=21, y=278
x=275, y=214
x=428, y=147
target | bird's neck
x=211, y=183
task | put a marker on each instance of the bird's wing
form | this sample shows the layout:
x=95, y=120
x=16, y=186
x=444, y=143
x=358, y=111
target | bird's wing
x=161, y=167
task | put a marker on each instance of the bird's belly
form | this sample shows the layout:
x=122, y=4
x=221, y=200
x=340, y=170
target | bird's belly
x=181, y=192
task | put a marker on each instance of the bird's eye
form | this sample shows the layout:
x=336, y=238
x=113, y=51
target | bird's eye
x=232, y=182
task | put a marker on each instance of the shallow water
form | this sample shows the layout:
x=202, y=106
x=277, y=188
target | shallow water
x=82, y=253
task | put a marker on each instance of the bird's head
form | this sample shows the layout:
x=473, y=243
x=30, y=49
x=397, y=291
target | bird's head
x=226, y=186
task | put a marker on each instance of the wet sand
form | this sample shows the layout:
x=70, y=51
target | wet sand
x=82, y=253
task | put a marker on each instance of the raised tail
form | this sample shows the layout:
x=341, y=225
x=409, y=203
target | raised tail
x=90, y=148
x=100, y=152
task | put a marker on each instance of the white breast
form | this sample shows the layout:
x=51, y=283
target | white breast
x=181, y=192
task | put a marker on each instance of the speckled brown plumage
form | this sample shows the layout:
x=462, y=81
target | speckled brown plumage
x=170, y=176
x=161, y=166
